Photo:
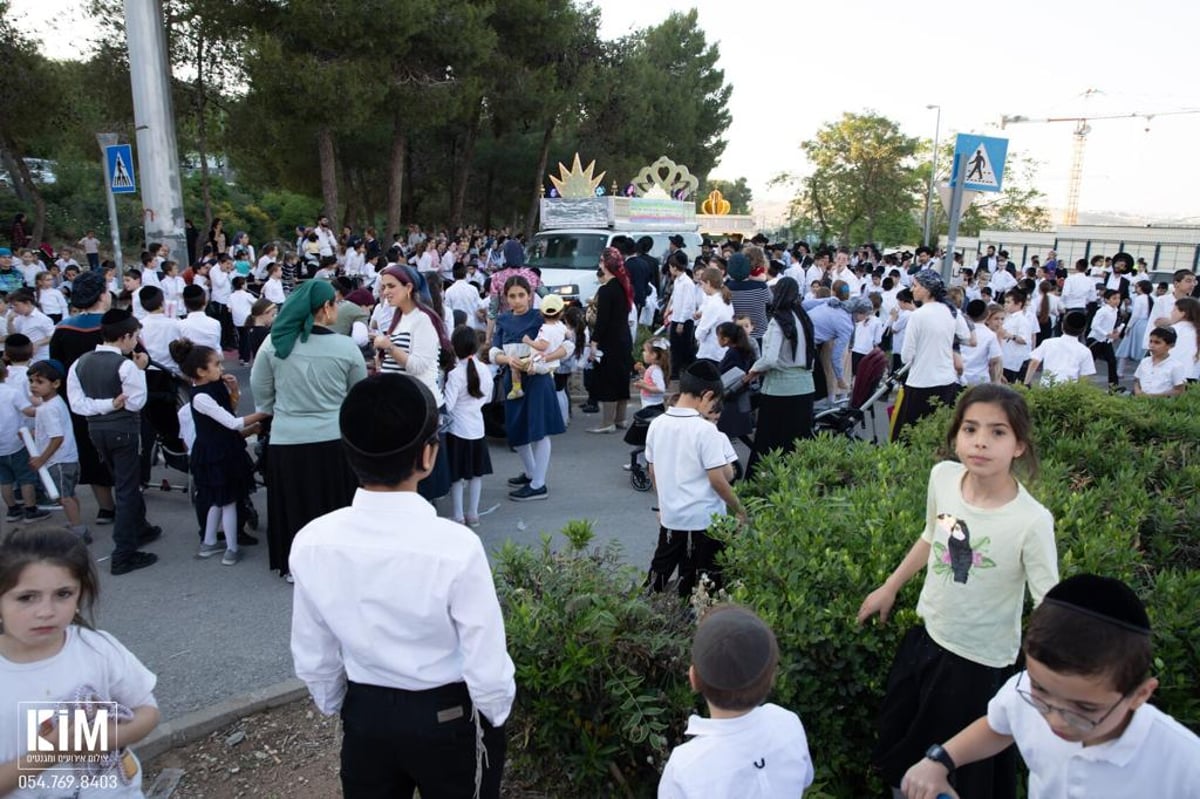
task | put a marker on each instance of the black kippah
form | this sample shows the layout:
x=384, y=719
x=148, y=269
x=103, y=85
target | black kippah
x=387, y=415
x=733, y=648
x=705, y=370
x=1102, y=598
x=115, y=316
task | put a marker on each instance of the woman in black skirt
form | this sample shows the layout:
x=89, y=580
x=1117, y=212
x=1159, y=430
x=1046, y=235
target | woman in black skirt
x=612, y=341
x=301, y=375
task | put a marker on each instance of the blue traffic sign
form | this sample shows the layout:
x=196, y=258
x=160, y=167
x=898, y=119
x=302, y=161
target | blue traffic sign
x=985, y=161
x=119, y=158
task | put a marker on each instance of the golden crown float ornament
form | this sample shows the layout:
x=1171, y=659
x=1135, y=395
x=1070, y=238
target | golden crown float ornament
x=716, y=204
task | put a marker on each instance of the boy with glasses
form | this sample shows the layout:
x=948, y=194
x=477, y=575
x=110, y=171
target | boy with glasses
x=1078, y=713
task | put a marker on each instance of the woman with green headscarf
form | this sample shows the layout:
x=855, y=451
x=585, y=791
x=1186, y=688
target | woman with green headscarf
x=301, y=375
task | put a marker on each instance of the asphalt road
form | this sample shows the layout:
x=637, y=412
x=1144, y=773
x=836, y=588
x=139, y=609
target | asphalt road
x=211, y=632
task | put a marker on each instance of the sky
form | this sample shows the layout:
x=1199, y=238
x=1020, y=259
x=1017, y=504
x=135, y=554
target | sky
x=795, y=66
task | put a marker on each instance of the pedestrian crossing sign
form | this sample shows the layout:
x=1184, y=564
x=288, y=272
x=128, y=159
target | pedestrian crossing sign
x=984, y=170
x=119, y=158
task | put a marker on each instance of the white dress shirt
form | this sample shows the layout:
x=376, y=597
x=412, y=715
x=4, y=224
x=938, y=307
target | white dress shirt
x=388, y=594
x=158, y=331
x=273, y=291
x=465, y=411
x=1077, y=291
x=133, y=386
x=1154, y=756
x=760, y=755
x=222, y=284
x=200, y=328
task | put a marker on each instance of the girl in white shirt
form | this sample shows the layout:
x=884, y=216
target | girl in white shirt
x=716, y=308
x=172, y=286
x=468, y=389
x=27, y=318
x=53, y=303
x=652, y=379
x=51, y=654
x=1131, y=345
x=1185, y=321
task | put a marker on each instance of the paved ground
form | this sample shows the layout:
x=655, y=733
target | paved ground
x=211, y=631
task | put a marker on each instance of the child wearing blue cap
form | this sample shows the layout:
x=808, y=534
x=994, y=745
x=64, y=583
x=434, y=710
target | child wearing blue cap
x=55, y=440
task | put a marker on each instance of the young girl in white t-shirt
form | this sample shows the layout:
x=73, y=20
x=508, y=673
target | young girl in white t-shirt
x=468, y=389
x=716, y=308
x=51, y=660
x=1016, y=337
x=985, y=539
x=52, y=301
x=653, y=372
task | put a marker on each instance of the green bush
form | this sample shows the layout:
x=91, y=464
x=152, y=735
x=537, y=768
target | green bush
x=602, y=690
x=833, y=519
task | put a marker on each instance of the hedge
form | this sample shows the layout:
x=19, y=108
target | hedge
x=601, y=669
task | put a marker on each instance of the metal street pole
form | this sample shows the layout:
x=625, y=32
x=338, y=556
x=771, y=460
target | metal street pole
x=937, y=133
x=958, y=178
x=158, y=157
x=108, y=140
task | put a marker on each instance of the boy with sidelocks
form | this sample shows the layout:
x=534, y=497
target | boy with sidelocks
x=1078, y=713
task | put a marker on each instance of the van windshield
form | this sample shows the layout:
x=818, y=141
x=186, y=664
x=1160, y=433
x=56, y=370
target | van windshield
x=566, y=250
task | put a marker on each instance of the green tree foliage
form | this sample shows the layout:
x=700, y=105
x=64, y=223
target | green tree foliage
x=863, y=186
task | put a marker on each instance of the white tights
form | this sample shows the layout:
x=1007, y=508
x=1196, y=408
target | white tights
x=225, y=517
x=456, y=496
x=535, y=458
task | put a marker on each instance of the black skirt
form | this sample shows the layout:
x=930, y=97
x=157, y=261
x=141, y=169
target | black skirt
x=467, y=457
x=782, y=421
x=917, y=403
x=304, y=481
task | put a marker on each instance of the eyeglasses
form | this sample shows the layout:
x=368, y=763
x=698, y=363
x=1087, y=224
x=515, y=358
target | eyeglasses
x=1073, y=718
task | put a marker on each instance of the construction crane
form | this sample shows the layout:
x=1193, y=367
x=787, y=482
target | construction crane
x=1082, y=129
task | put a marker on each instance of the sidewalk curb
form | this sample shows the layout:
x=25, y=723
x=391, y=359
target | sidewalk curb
x=199, y=723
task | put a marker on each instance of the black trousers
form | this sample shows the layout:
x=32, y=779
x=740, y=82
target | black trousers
x=118, y=449
x=160, y=420
x=692, y=552
x=683, y=347
x=243, y=337
x=396, y=741
x=221, y=312
x=1103, y=351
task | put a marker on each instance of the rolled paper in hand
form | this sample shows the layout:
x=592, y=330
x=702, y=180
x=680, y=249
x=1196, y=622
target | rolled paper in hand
x=44, y=473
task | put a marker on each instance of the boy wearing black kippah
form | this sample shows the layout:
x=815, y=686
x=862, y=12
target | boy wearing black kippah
x=1078, y=713
x=745, y=749
x=395, y=620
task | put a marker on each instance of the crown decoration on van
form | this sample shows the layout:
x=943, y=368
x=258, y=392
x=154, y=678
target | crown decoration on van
x=716, y=204
x=667, y=180
x=577, y=182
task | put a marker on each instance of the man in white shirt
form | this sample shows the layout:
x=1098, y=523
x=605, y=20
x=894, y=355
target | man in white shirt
x=1078, y=289
x=449, y=259
x=325, y=237
x=399, y=627
x=198, y=327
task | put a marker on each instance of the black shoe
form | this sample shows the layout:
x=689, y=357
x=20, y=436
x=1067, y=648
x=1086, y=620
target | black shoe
x=246, y=540
x=589, y=407
x=36, y=514
x=16, y=513
x=148, y=534
x=105, y=516
x=133, y=562
x=528, y=494
x=521, y=480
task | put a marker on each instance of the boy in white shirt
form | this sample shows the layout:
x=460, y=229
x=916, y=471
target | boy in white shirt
x=1063, y=359
x=898, y=323
x=197, y=326
x=1104, y=332
x=984, y=362
x=1079, y=713
x=745, y=749
x=133, y=284
x=424, y=682
x=1160, y=375
x=1016, y=337
x=273, y=288
x=463, y=295
x=691, y=475
x=55, y=440
x=240, y=303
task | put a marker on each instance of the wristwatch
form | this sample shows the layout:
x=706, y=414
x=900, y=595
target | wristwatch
x=938, y=754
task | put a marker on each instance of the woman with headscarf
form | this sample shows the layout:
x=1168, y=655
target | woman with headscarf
x=612, y=342
x=415, y=343
x=789, y=352
x=300, y=377
x=216, y=236
x=750, y=296
x=929, y=342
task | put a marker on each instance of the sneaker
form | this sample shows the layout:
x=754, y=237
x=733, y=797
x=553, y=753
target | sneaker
x=289, y=578
x=520, y=480
x=246, y=540
x=36, y=514
x=208, y=550
x=627, y=467
x=148, y=534
x=231, y=557
x=105, y=516
x=528, y=494
x=516, y=393
x=17, y=512
x=133, y=562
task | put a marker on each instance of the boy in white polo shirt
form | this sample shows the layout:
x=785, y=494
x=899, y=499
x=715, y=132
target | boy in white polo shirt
x=1160, y=375
x=691, y=473
x=1079, y=712
x=745, y=749
x=1063, y=359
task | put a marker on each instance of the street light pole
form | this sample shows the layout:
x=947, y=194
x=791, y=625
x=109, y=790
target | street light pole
x=937, y=133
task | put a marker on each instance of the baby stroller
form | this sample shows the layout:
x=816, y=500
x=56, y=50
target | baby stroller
x=635, y=436
x=870, y=386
